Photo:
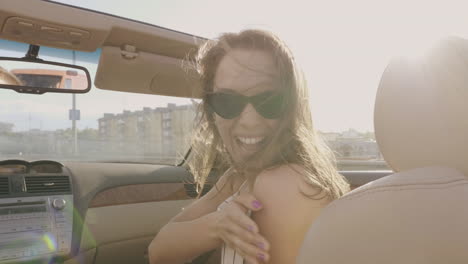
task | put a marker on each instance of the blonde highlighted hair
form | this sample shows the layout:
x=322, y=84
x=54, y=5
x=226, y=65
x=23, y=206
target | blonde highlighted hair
x=294, y=142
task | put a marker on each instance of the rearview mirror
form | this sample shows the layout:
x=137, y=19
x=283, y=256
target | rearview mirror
x=38, y=76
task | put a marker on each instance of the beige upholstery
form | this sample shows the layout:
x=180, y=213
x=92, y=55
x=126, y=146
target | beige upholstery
x=420, y=213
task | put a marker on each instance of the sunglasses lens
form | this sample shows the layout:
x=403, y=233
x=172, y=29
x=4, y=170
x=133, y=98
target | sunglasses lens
x=226, y=105
x=269, y=105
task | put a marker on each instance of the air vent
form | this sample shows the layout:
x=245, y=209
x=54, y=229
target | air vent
x=4, y=186
x=47, y=184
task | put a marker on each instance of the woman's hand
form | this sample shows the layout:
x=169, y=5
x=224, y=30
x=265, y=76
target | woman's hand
x=240, y=232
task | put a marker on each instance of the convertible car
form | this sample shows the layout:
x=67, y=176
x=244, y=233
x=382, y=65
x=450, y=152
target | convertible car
x=94, y=131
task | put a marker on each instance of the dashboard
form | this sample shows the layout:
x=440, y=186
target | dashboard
x=36, y=211
x=53, y=212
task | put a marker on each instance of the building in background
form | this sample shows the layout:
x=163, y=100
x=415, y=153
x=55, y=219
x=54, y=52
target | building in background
x=355, y=150
x=149, y=133
x=353, y=145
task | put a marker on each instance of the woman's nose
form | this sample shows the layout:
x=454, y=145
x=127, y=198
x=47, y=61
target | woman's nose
x=249, y=117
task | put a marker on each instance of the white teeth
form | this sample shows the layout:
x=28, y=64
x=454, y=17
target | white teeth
x=250, y=141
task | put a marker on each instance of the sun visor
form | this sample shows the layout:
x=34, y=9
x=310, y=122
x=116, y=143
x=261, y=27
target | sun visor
x=127, y=70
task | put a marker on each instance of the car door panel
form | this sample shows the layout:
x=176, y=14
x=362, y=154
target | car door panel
x=119, y=208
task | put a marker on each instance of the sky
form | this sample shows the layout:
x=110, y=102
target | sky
x=342, y=47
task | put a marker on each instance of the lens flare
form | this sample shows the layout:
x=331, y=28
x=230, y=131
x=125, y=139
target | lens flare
x=50, y=242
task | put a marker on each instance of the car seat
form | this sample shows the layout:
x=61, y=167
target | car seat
x=419, y=214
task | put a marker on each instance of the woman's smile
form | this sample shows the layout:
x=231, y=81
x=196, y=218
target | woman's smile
x=250, y=144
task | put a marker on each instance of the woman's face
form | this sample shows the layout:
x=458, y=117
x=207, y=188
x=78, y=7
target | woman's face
x=248, y=73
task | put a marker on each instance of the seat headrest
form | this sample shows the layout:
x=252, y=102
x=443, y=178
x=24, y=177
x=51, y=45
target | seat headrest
x=421, y=109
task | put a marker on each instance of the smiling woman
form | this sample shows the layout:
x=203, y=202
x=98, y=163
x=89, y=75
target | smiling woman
x=263, y=140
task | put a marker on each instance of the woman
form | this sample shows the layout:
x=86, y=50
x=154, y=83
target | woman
x=256, y=127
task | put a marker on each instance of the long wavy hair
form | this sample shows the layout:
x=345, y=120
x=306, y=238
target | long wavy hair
x=294, y=142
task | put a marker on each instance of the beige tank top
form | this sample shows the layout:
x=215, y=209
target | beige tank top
x=229, y=255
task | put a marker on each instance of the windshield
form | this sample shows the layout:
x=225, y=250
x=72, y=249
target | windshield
x=97, y=126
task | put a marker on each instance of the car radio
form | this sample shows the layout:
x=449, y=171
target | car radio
x=36, y=211
x=32, y=227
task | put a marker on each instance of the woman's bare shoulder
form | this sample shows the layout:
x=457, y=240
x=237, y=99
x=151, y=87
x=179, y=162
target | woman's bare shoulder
x=287, y=180
x=286, y=213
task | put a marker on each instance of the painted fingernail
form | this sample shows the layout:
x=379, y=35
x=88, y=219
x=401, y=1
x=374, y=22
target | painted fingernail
x=250, y=228
x=256, y=204
x=261, y=245
x=261, y=256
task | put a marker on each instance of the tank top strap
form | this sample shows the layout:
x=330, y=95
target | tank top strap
x=240, y=187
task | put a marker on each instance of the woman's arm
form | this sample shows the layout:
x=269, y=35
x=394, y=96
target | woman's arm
x=200, y=228
x=189, y=233
x=180, y=242
x=287, y=214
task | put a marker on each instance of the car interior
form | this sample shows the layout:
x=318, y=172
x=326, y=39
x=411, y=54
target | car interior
x=74, y=211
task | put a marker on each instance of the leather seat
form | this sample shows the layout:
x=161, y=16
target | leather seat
x=419, y=214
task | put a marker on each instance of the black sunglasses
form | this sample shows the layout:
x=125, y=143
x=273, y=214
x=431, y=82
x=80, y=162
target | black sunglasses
x=268, y=104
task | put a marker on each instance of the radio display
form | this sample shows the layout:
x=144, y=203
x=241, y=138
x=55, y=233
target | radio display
x=23, y=210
